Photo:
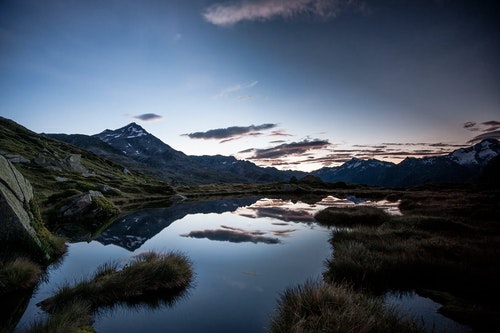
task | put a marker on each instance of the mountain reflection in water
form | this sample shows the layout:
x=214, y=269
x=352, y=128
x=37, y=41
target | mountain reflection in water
x=131, y=231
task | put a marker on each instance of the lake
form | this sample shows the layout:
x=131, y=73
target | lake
x=244, y=251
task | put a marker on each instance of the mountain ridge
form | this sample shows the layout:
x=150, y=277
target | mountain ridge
x=136, y=148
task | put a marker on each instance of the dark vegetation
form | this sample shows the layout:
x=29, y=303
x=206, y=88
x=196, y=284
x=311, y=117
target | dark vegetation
x=151, y=278
x=321, y=307
x=445, y=246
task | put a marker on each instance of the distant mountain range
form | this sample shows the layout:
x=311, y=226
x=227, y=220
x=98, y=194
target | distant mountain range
x=461, y=165
x=135, y=148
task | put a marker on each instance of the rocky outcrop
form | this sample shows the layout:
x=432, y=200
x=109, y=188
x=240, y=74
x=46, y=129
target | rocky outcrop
x=71, y=163
x=88, y=206
x=18, y=219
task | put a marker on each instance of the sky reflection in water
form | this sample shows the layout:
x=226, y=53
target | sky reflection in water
x=244, y=252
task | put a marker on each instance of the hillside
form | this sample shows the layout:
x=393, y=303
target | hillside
x=56, y=169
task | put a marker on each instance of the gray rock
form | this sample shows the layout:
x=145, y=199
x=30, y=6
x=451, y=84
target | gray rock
x=17, y=158
x=73, y=163
x=79, y=204
x=16, y=194
x=106, y=188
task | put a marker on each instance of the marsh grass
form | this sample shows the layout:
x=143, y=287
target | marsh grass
x=336, y=308
x=149, y=276
x=21, y=273
x=74, y=317
x=352, y=216
x=450, y=251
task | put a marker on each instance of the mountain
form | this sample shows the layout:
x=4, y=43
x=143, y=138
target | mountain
x=461, y=165
x=369, y=172
x=58, y=170
x=138, y=150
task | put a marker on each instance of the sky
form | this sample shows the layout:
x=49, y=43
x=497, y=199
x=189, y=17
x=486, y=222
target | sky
x=295, y=84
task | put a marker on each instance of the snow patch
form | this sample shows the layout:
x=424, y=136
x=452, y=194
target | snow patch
x=464, y=157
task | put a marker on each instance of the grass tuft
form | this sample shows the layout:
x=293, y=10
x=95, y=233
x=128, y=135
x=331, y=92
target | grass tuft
x=148, y=277
x=352, y=216
x=21, y=273
x=73, y=318
x=336, y=308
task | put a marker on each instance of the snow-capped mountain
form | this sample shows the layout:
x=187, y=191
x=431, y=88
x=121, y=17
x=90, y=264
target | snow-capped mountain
x=461, y=165
x=369, y=172
x=136, y=149
x=477, y=155
x=128, y=132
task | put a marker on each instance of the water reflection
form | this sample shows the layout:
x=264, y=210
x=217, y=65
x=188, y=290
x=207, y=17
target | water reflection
x=233, y=236
x=133, y=230
x=245, y=251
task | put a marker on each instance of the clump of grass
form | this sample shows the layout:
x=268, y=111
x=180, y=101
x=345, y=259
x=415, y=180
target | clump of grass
x=422, y=252
x=336, y=308
x=352, y=216
x=74, y=317
x=149, y=275
x=19, y=274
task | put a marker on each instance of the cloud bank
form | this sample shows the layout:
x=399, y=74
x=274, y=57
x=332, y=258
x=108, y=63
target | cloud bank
x=148, y=117
x=489, y=129
x=231, y=133
x=230, y=13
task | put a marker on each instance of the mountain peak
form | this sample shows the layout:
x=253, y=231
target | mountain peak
x=479, y=154
x=132, y=130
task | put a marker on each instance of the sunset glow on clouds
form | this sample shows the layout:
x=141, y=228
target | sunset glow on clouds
x=295, y=84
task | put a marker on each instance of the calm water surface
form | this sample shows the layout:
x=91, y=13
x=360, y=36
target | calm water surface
x=244, y=252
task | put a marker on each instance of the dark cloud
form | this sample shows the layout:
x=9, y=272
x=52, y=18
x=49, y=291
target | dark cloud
x=279, y=133
x=148, y=117
x=230, y=133
x=488, y=135
x=287, y=149
x=490, y=129
x=493, y=125
x=471, y=126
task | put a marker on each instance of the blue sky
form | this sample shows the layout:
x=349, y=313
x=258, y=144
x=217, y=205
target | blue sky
x=296, y=84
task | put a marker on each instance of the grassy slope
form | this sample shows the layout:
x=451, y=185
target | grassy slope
x=134, y=188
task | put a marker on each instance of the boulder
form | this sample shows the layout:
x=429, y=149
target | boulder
x=73, y=163
x=90, y=206
x=18, y=219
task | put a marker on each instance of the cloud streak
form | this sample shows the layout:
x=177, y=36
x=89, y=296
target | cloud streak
x=230, y=13
x=230, y=133
x=237, y=87
x=287, y=149
x=148, y=117
x=489, y=129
